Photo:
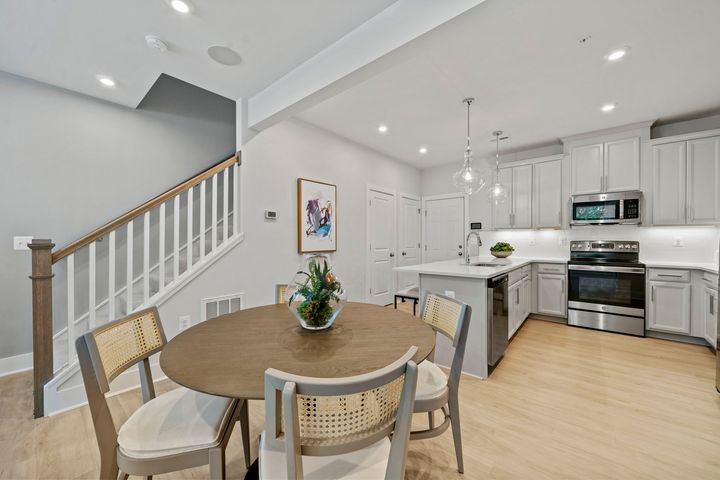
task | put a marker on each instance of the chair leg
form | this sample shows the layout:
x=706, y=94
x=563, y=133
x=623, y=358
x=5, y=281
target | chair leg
x=455, y=423
x=245, y=431
x=122, y=475
x=431, y=420
x=395, y=301
x=108, y=466
x=217, y=463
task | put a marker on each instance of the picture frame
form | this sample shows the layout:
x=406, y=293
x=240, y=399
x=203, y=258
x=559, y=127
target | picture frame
x=316, y=216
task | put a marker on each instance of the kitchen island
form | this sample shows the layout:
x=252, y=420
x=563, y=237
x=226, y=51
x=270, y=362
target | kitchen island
x=468, y=283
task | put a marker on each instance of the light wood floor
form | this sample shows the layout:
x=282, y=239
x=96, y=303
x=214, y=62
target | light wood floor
x=564, y=403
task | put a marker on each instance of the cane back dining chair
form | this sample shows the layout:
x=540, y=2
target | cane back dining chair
x=177, y=430
x=331, y=428
x=435, y=390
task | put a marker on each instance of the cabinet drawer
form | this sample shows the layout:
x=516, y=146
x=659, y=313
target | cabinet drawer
x=551, y=268
x=526, y=270
x=669, y=275
x=711, y=280
x=515, y=276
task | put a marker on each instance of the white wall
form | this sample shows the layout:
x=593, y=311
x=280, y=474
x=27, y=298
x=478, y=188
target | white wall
x=272, y=162
x=656, y=243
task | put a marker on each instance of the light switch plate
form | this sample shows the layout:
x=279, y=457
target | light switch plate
x=21, y=243
x=678, y=242
x=184, y=322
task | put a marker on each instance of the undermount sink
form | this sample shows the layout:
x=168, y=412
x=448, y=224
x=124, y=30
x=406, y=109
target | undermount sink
x=484, y=264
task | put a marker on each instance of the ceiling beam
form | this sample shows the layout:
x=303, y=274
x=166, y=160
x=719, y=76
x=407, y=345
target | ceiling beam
x=366, y=51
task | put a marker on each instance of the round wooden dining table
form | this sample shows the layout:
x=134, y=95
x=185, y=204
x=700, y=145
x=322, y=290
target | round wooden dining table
x=228, y=355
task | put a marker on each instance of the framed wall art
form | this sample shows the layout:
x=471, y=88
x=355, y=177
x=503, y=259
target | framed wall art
x=317, y=216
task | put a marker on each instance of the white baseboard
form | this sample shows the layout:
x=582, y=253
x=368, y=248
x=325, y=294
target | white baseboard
x=18, y=363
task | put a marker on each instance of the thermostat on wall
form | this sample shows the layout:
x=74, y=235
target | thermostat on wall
x=475, y=225
x=270, y=215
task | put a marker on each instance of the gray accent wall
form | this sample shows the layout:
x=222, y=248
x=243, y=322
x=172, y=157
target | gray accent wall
x=71, y=163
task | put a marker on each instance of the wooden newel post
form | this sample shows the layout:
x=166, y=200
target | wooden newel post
x=42, y=319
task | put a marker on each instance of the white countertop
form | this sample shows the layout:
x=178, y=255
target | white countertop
x=705, y=267
x=457, y=267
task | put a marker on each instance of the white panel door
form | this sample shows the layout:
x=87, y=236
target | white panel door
x=669, y=187
x=547, y=192
x=622, y=165
x=502, y=211
x=444, y=229
x=408, y=239
x=586, y=167
x=522, y=197
x=703, y=170
x=381, y=234
x=669, y=309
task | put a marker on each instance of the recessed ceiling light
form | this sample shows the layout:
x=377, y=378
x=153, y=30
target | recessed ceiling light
x=181, y=6
x=617, y=54
x=608, y=107
x=422, y=150
x=382, y=128
x=224, y=55
x=106, y=81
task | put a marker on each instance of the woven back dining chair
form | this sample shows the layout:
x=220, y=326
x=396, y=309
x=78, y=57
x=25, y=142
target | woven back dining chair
x=336, y=427
x=174, y=431
x=436, y=390
x=280, y=290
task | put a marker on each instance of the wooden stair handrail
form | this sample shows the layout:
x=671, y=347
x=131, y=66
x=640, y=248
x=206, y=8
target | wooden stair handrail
x=145, y=207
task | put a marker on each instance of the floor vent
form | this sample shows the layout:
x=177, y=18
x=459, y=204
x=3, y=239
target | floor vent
x=216, y=306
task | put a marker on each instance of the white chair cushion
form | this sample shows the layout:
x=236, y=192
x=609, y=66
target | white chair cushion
x=368, y=463
x=179, y=421
x=411, y=291
x=431, y=382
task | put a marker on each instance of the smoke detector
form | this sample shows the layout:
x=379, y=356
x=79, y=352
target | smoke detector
x=154, y=42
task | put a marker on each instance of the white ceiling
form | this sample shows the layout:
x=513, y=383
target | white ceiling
x=67, y=43
x=523, y=62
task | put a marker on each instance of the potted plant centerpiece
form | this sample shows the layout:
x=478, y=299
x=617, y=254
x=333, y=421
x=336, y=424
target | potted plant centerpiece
x=501, y=250
x=315, y=295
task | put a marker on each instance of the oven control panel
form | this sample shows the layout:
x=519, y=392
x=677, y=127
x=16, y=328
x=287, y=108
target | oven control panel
x=605, y=246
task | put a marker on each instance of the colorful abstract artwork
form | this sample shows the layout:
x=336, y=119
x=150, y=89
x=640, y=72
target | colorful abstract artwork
x=317, y=216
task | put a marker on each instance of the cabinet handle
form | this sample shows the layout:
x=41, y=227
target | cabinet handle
x=517, y=296
x=712, y=304
x=606, y=183
x=652, y=293
x=563, y=286
x=560, y=218
x=669, y=275
x=602, y=183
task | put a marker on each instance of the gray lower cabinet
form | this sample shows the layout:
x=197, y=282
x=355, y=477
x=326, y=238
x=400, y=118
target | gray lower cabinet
x=551, y=294
x=669, y=307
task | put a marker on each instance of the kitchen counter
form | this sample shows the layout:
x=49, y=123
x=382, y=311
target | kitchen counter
x=457, y=268
x=705, y=267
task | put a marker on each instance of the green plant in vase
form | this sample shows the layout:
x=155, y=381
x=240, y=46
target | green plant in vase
x=316, y=295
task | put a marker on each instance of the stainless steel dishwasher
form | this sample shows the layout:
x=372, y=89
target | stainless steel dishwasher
x=497, y=318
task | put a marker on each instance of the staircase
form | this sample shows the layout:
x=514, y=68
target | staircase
x=137, y=260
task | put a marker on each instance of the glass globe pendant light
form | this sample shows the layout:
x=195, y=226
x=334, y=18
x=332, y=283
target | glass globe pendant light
x=468, y=178
x=498, y=192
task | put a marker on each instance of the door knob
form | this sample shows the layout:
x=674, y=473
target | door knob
x=392, y=255
x=459, y=254
x=403, y=254
x=460, y=247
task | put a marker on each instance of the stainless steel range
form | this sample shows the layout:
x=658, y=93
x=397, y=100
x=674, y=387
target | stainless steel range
x=606, y=286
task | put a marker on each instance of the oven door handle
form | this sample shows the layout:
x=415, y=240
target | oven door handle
x=600, y=268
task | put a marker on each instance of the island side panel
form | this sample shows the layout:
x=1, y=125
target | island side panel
x=472, y=291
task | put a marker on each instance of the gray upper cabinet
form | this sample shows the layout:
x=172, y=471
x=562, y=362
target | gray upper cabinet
x=703, y=180
x=669, y=184
x=547, y=194
x=516, y=211
x=686, y=182
x=606, y=167
x=586, y=165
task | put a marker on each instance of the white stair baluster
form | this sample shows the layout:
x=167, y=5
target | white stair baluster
x=202, y=220
x=236, y=193
x=226, y=182
x=176, y=237
x=146, y=258
x=111, y=277
x=189, y=245
x=70, y=264
x=161, y=250
x=214, y=212
x=91, y=286
x=130, y=274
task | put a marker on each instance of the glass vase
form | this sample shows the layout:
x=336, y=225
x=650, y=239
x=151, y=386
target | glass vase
x=315, y=295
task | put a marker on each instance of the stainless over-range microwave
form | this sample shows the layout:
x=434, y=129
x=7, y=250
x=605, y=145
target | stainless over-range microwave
x=606, y=209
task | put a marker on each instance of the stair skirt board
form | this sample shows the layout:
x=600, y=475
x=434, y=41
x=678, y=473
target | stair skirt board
x=62, y=393
x=16, y=364
x=71, y=393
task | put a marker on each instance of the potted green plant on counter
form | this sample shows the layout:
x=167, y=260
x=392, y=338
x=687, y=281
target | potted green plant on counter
x=501, y=250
